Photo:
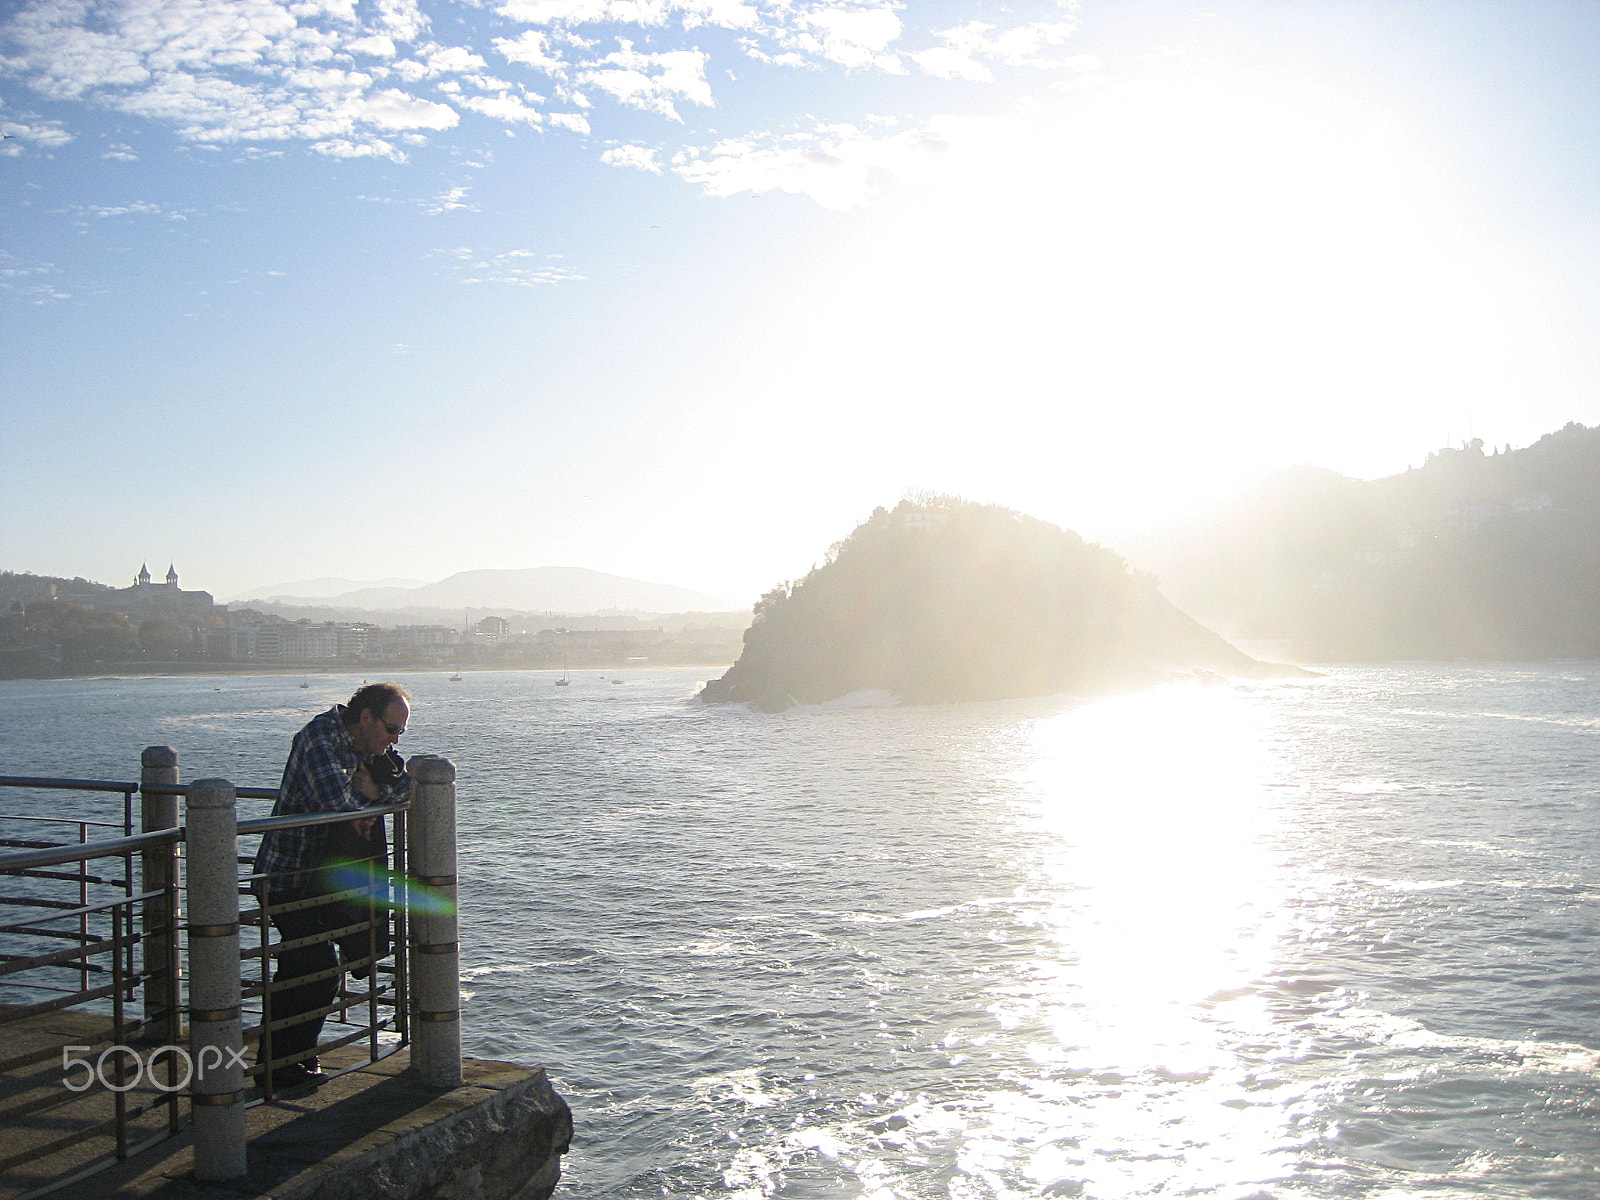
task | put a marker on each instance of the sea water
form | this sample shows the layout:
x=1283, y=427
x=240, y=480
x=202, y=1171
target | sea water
x=1327, y=938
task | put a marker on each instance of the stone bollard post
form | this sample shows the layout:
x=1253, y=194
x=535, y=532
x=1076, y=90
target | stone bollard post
x=216, y=1041
x=158, y=767
x=435, y=951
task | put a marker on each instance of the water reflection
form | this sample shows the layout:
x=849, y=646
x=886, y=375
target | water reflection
x=1154, y=814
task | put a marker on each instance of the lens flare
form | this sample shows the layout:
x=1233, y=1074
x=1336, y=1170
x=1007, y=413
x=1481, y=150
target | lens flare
x=386, y=889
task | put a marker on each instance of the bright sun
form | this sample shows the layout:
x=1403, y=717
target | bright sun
x=1106, y=310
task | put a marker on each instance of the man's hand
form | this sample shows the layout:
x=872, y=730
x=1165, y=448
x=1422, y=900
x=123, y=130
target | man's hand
x=363, y=783
x=363, y=827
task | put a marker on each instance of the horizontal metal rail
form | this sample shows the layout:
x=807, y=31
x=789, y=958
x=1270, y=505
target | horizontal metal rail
x=68, y=876
x=62, y=821
x=69, y=785
x=178, y=789
x=78, y=910
x=19, y=860
x=291, y=820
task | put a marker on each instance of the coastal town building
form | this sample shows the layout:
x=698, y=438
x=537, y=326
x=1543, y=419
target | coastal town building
x=146, y=599
x=47, y=624
x=490, y=630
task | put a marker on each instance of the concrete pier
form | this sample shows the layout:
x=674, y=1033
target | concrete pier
x=80, y=1086
x=374, y=1134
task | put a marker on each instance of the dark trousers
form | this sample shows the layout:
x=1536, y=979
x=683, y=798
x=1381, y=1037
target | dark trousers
x=307, y=960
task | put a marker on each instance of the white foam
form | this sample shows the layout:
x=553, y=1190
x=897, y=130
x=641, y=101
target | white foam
x=866, y=698
x=744, y=1086
x=1514, y=1057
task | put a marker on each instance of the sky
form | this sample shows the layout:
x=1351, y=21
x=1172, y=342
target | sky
x=683, y=289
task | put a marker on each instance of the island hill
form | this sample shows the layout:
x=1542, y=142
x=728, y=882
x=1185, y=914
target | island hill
x=1482, y=554
x=944, y=600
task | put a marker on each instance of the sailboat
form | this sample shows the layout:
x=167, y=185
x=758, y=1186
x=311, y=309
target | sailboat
x=563, y=681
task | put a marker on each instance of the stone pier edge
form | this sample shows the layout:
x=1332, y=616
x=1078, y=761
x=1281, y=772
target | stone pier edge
x=499, y=1136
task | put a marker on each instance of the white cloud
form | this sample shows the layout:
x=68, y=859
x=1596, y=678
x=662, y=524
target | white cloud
x=329, y=81
x=401, y=19
x=451, y=201
x=211, y=109
x=26, y=280
x=510, y=268
x=379, y=45
x=789, y=58
x=410, y=70
x=650, y=81
x=586, y=12
x=139, y=208
x=728, y=14
x=834, y=165
x=532, y=49
x=640, y=158
x=120, y=153
x=10, y=268
x=572, y=122
x=525, y=276
x=394, y=109
x=232, y=70
x=851, y=37
x=1024, y=45
x=442, y=59
x=367, y=148
x=1020, y=46
x=44, y=134
x=503, y=108
x=281, y=71
x=949, y=63
x=850, y=33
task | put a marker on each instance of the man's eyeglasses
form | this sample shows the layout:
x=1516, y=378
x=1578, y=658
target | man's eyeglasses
x=394, y=730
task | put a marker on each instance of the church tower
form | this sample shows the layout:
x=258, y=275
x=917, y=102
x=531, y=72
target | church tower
x=142, y=579
x=172, y=576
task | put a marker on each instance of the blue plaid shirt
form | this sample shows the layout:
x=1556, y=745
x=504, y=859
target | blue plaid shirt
x=316, y=779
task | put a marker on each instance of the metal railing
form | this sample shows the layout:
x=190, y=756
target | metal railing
x=99, y=922
x=171, y=938
x=361, y=948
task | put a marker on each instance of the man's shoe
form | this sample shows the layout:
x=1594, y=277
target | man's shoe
x=297, y=1075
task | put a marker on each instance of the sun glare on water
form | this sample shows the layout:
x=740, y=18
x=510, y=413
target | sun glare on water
x=1153, y=811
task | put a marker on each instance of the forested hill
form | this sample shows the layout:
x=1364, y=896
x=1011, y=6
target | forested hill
x=26, y=588
x=1476, y=554
x=948, y=600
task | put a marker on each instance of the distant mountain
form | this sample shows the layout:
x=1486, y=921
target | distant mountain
x=1472, y=555
x=321, y=589
x=948, y=600
x=536, y=589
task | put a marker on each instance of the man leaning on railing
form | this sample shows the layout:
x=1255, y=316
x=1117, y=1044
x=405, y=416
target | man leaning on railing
x=341, y=761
